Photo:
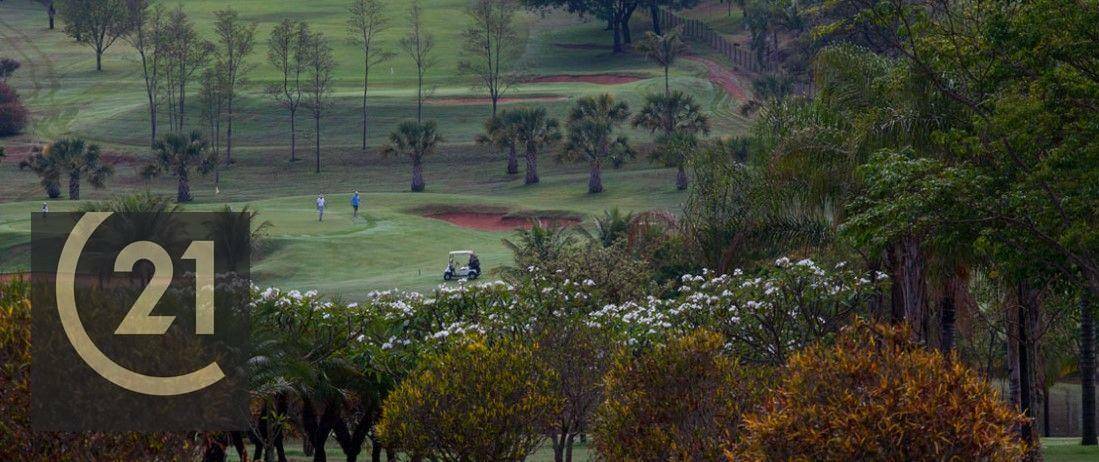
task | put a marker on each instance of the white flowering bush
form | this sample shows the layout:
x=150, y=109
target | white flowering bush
x=764, y=315
x=367, y=348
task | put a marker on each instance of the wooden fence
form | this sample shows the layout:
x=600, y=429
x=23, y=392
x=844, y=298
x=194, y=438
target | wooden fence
x=742, y=57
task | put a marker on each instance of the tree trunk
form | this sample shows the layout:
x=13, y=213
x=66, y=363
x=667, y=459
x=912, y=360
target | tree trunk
x=51, y=11
x=595, y=179
x=626, y=30
x=317, y=136
x=183, y=192
x=1087, y=370
x=282, y=406
x=237, y=438
x=417, y=175
x=617, y=27
x=74, y=186
x=317, y=430
x=513, y=161
x=293, y=136
x=215, y=449
x=667, y=84
x=375, y=450
x=99, y=60
x=1021, y=348
x=229, y=129
x=558, y=443
x=952, y=292
x=909, y=285
x=366, y=84
x=532, y=167
x=568, y=447
x=1045, y=412
x=53, y=190
x=680, y=178
x=654, y=12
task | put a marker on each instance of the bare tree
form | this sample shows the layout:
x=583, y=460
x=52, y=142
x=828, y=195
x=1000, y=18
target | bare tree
x=490, y=45
x=418, y=43
x=145, y=35
x=366, y=23
x=236, y=40
x=185, y=53
x=319, y=65
x=286, y=52
x=96, y=23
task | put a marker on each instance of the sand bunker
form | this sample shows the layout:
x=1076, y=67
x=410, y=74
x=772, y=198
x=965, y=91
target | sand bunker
x=499, y=222
x=582, y=46
x=479, y=100
x=600, y=79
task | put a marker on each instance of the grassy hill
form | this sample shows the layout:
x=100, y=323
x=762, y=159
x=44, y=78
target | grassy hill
x=394, y=246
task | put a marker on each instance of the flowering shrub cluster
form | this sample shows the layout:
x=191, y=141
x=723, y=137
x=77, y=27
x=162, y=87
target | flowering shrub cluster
x=764, y=315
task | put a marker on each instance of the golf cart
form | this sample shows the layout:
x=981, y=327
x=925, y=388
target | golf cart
x=459, y=265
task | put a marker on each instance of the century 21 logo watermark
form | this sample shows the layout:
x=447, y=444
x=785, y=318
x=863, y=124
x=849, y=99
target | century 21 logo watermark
x=140, y=320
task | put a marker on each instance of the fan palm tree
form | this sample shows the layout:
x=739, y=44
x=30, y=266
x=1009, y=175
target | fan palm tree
x=680, y=120
x=75, y=157
x=241, y=234
x=177, y=154
x=663, y=49
x=415, y=140
x=591, y=135
x=540, y=244
x=612, y=226
x=535, y=131
x=48, y=171
x=500, y=132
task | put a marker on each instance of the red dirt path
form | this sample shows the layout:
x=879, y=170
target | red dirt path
x=497, y=221
x=475, y=100
x=721, y=76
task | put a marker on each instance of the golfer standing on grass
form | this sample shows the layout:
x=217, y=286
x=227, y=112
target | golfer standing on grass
x=355, y=205
x=320, y=207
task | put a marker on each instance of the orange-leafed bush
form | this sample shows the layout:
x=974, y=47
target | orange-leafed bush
x=876, y=395
x=683, y=401
x=19, y=442
x=476, y=401
x=13, y=114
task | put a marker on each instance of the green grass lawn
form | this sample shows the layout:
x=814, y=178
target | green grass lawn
x=67, y=96
x=391, y=246
x=1068, y=450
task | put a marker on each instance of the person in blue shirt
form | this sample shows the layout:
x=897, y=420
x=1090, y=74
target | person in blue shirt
x=355, y=205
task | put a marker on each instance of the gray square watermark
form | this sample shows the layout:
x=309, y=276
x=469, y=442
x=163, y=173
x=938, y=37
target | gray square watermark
x=139, y=321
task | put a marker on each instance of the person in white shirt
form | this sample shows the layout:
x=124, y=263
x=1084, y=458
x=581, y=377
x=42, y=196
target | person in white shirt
x=320, y=207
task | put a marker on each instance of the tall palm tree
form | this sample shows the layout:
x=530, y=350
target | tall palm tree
x=680, y=120
x=177, y=154
x=591, y=124
x=75, y=157
x=48, y=171
x=535, y=131
x=415, y=140
x=500, y=132
x=663, y=49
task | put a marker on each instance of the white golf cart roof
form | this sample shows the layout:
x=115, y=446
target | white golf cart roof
x=461, y=252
